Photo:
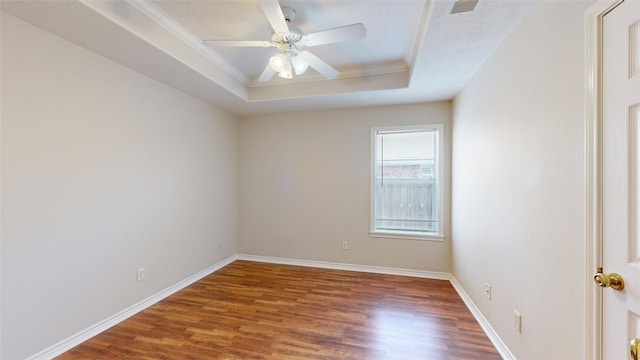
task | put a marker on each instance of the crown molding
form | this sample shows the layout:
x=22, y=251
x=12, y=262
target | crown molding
x=345, y=73
x=425, y=20
x=168, y=23
x=161, y=18
x=180, y=33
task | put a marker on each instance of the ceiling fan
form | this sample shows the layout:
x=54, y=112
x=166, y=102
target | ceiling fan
x=289, y=41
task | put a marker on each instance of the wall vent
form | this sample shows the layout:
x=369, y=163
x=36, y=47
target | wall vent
x=461, y=6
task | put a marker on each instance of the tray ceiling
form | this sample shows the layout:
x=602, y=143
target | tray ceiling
x=414, y=51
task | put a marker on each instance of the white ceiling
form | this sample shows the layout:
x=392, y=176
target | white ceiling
x=415, y=51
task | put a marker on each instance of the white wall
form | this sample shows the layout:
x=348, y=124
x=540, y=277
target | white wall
x=304, y=187
x=518, y=184
x=103, y=171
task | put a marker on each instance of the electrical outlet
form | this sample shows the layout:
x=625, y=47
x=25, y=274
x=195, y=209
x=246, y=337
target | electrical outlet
x=517, y=321
x=345, y=245
x=141, y=274
x=487, y=290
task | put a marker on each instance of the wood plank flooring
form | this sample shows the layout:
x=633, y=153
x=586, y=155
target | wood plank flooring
x=252, y=310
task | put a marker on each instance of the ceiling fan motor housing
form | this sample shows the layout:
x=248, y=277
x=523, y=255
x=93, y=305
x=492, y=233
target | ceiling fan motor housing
x=284, y=41
x=291, y=39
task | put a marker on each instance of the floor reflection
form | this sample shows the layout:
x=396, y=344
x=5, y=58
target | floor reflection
x=405, y=334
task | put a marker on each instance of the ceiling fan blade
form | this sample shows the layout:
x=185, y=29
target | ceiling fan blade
x=319, y=65
x=274, y=15
x=238, y=43
x=267, y=74
x=343, y=33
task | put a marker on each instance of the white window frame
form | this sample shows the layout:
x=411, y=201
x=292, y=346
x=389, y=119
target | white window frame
x=411, y=235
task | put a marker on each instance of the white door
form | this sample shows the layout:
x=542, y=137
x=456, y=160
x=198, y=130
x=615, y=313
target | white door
x=621, y=176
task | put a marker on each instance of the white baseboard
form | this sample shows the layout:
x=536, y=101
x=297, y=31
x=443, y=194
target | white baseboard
x=84, y=335
x=350, y=267
x=74, y=340
x=484, y=324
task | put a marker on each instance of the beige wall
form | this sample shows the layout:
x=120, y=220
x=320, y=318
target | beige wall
x=304, y=187
x=518, y=188
x=103, y=171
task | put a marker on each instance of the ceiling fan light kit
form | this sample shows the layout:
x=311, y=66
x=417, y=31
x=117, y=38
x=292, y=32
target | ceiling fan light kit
x=282, y=65
x=277, y=62
x=285, y=62
x=299, y=65
x=289, y=40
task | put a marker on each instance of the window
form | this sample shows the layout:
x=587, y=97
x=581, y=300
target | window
x=406, y=178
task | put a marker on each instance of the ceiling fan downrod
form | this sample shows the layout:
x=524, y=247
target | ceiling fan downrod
x=289, y=14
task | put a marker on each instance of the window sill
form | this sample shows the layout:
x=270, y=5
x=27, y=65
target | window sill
x=406, y=236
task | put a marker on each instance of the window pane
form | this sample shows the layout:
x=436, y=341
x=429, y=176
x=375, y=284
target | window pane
x=406, y=181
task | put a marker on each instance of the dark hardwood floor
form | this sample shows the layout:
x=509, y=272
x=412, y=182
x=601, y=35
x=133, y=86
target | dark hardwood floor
x=252, y=310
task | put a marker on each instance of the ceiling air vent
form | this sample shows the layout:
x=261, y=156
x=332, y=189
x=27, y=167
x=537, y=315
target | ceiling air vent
x=461, y=6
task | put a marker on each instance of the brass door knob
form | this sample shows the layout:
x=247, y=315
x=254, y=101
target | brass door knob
x=634, y=348
x=612, y=280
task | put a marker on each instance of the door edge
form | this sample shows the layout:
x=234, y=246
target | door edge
x=593, y=174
